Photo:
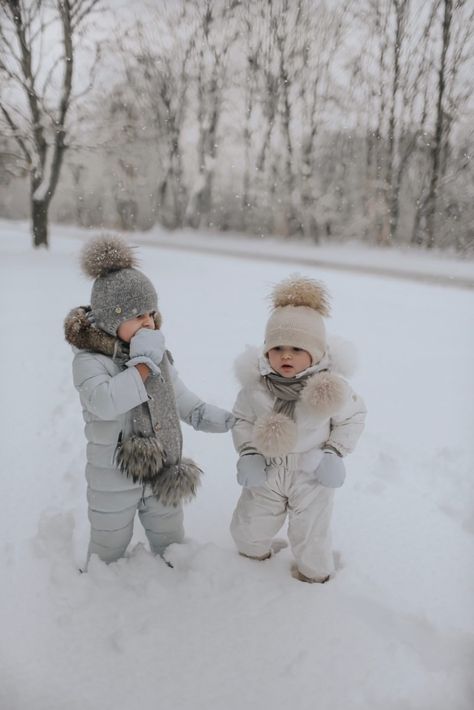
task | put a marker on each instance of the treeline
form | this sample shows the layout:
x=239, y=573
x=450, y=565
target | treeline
x=294, y=117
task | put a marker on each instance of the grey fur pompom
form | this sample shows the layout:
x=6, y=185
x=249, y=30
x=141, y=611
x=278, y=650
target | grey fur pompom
x=140, y=458
x=105, y=254
x=177, y=483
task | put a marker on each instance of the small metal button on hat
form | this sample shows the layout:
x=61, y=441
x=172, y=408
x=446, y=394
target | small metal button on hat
x=118, y=309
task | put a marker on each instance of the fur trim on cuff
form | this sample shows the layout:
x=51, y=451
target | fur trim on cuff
x=326, y=394
x=274, y=435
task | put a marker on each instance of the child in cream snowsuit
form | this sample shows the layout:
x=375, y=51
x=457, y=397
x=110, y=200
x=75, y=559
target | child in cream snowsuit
x=132, y=400
x=297, y=418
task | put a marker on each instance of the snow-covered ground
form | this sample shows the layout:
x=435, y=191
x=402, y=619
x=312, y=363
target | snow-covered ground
x=393, y=630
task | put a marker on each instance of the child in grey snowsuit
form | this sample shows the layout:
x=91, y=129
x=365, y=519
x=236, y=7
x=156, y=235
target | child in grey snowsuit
x=297, y=418
x=132, y=400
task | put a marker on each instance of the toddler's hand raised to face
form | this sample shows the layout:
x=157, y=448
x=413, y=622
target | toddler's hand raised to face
x=148, y=343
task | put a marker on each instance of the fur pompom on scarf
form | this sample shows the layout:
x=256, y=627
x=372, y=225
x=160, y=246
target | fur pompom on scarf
x=151, y=453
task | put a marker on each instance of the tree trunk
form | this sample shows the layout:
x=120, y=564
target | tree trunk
x=439, y=128
x=39, y=222
x=393, y=206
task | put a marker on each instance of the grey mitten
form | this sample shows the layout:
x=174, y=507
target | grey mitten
x=251, y=471
x=148, y=343
x=144, y=360
x=207, y=417
x=331, y=472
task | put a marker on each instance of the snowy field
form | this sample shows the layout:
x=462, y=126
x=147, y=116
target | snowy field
x=392, y=631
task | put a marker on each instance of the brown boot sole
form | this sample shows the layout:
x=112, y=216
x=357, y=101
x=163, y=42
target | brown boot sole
x=259, y=559
x=277, y=545
x=309, y=580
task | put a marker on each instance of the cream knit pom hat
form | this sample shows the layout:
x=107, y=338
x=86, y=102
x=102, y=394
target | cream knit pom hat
x=299, y=305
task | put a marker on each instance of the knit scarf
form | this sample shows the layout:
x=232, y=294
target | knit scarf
x=151, y=451
x=286, y=392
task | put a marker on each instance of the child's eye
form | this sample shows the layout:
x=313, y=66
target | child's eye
x=297, y=350
x=278, y=348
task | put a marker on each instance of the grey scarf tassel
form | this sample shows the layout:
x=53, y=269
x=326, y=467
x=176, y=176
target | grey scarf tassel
x=140, y=457
x=155, y=459
x=177, y=483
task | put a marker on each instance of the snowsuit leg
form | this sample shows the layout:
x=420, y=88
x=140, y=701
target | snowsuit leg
x=261, y=512
x=163, y=524
x=259, y=515
x=111, y=516
x=309, y=511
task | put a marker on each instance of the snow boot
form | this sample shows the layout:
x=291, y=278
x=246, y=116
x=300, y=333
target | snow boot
x=275, y=547
x=309, y=580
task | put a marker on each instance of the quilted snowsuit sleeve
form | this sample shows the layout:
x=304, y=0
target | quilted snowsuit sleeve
x=200, y=415
x=244, y=421
x=104, y=395
x=347, y=425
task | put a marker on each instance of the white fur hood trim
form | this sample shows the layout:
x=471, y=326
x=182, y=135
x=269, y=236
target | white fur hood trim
x=341, y=359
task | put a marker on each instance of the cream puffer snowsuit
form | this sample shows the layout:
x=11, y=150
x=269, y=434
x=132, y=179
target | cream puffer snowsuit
x=291, y=486
x=108, y=391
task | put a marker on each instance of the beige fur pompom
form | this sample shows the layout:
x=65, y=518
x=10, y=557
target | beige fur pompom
x=274, y=435
x=300, y=291
x=325, y=394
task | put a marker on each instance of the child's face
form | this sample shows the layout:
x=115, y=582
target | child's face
x=289, y=361
x=128, y=328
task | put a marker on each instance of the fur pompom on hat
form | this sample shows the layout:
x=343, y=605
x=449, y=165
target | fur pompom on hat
x=299, y=306
x=299, y=291
x=120, y=291
x=105, y=254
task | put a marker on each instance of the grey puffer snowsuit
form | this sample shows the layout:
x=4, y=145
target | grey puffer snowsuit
x=108, y=391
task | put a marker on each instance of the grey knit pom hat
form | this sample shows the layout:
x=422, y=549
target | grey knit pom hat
x=120, y=291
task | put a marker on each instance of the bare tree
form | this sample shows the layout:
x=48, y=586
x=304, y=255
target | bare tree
x=450, y=59
x=156, y=84
x=215, y=32
x=252, y=48
x=430, y=205
x=35, y=110
x=401, y=9
x=321, y=35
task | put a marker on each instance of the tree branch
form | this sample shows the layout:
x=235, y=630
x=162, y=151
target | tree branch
x=16, y=133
